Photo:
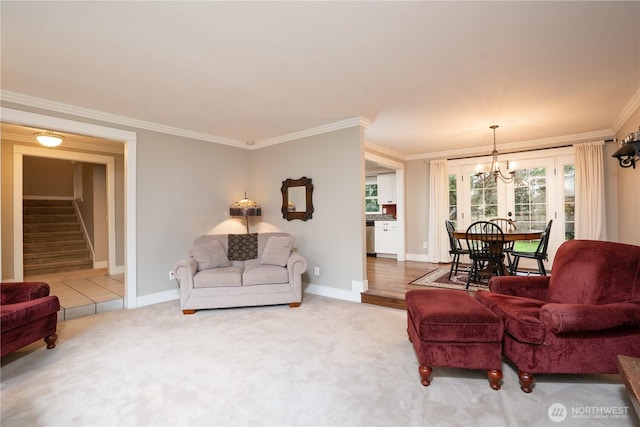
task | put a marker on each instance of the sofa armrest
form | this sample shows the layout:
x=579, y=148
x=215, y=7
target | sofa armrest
x=15, y=292
x=535, y=287
x=296, y=263
x=562, y=318
x=184, y=270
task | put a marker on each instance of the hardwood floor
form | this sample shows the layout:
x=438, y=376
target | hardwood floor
x=389, y=280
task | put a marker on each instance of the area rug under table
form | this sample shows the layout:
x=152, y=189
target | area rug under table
x=439, y=278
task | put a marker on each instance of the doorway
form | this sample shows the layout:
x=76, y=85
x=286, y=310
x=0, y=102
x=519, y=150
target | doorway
x=80, y=128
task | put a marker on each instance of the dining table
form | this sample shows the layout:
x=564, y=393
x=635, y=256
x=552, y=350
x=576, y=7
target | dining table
x=509, y=236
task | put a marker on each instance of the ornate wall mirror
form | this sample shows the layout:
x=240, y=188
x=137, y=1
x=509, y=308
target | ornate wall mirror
x=297, y=200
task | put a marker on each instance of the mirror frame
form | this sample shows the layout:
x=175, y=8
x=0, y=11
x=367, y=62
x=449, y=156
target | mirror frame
x=302, y=215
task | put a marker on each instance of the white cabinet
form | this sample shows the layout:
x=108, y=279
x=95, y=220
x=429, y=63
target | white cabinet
x=386, y=237
x=387, y=189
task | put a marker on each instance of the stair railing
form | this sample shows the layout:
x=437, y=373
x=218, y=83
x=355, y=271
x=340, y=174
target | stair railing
x=84, y=231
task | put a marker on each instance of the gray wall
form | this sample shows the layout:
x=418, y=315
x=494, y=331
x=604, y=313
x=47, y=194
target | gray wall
x=334, y=238
x=184, y=189
x=47, y=177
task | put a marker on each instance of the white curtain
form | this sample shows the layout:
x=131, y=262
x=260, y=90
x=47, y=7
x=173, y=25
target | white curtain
x=590, y=203
x=438, y=241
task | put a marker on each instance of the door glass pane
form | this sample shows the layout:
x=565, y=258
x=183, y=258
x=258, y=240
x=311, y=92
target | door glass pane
x=453, y=199
x=484, y=199
x=530, y=197
x=569, y=202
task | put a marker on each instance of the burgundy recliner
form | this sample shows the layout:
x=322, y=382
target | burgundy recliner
x=27, y=313
x=575, y=321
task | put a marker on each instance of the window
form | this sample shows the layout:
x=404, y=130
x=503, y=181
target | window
x=453, y=199
x=530, y=196
x=569, y=202
x=371, y=195
x=483, y=199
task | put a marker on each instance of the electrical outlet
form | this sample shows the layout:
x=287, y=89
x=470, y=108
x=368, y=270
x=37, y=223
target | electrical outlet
x=171, y=275
x=424, y=245
x=316, y=270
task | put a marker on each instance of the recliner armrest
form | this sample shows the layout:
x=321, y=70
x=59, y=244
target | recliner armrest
x=562, y=318
x=522, y=286
x=15, y=292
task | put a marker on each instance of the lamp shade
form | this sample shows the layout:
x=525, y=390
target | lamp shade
x=245, y=207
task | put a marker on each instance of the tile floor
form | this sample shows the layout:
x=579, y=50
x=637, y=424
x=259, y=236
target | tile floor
x=83, y=293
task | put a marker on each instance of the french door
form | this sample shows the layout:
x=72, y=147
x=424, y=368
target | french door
x=542, y=191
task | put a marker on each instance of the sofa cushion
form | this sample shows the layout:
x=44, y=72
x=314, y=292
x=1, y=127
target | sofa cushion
x=14, y=315
x=264, y=275
x=595, y=272
x=518, y=314
x=243, y=246
x=210, y=255
x=277, y=250
x=216, y=277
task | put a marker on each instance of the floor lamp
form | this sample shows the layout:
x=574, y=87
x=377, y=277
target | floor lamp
x=245, y=208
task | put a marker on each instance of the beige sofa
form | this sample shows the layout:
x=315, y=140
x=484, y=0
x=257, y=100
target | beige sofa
x=236, y=270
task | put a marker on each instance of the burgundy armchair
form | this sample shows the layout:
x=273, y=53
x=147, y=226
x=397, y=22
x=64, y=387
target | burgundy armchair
x=27, y=314
x=578, y=319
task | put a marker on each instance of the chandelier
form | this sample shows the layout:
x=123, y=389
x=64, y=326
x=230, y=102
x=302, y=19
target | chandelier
x=629, y=152
x=491, y=177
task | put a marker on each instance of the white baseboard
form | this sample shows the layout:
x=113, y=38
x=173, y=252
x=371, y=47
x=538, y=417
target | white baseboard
x=100, y=264
x=417, y=257
x=327, y=291
x=158, y=297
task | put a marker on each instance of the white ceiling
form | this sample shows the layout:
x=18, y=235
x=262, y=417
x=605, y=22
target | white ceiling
x=430, y=76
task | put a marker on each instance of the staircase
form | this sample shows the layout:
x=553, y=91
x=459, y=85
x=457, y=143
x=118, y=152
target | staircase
x=53, y=240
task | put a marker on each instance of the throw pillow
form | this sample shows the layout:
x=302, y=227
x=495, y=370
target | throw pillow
x=277, y=250
x=210, y=255
x=243, y=246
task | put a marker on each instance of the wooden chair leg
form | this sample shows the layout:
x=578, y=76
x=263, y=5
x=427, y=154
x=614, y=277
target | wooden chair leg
x=51, y=340
x=294, y=304
x=188, y=311
x=526, y=381
x=425, y=375
x=495, y=376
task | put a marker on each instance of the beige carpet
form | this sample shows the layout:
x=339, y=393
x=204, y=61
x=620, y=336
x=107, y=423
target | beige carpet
x=327, y=363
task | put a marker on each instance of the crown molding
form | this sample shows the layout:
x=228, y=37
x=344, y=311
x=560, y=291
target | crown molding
x=512, y=147
x=375, y=148
x=68, y=143
x=629, y=109
x=32, y=101
x=330, y=127
x=87, y=113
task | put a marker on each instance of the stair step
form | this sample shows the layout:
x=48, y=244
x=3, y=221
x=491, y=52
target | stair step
x=53, y=246
x=41, y=202
x=52, y=236
x=58, y=256
x=50, y=227
x=46, y=210
x=49, y=218
x=56, y=267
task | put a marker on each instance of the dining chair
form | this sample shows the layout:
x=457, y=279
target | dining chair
x=486, y=249
x=456, y=249
x=540, y=254
x=506, y=224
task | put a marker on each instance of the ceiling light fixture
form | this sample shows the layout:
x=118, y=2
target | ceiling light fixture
x=495, y=172
x=629, y=152
x=49, y=139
